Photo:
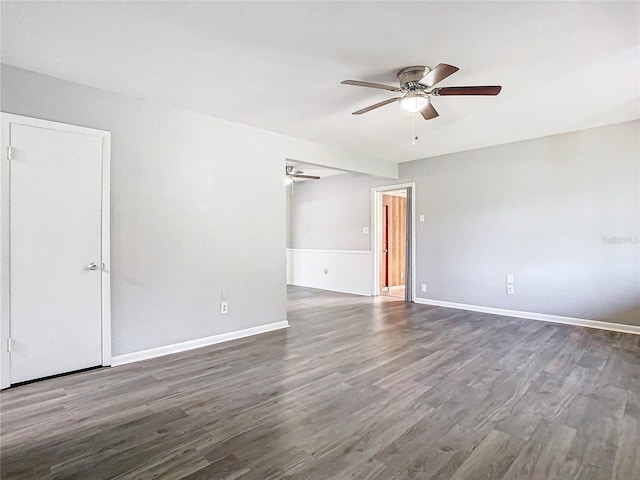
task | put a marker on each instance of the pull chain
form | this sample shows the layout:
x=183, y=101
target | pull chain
x=413, y=130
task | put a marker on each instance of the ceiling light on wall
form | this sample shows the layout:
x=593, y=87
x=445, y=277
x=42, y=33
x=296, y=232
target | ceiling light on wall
x=414, y=101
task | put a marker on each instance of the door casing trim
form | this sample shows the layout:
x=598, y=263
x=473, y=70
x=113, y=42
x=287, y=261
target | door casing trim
x=6, y=119
x=376, y=233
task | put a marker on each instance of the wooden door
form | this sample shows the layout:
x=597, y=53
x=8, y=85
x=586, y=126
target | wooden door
x=396, y=226
x=384, y=257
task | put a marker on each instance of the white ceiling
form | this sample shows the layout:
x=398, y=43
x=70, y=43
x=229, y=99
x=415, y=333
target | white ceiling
x=563, y=66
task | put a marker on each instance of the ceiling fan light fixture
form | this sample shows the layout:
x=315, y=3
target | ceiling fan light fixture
x=414, y=102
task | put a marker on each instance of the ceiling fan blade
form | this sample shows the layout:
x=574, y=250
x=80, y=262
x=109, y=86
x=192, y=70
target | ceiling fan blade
x=310, y=177
x=492, y=90
x=429, y=112
x=358, y=83
x=439, y=73
x=376, y=105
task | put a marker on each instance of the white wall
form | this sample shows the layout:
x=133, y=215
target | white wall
x=541, y=209
x=198, y=206
x=346, y=271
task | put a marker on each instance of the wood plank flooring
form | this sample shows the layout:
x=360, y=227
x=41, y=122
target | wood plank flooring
x=357, y=388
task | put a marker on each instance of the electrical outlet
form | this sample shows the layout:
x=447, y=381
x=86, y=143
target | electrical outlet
x=224, y=307
x=424, y=287
x=510, y=290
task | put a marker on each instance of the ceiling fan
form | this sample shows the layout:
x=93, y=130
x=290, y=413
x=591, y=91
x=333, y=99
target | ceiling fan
x=417, y=87
x=294, y=174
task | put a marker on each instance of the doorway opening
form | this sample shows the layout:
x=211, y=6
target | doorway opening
x=393, y=241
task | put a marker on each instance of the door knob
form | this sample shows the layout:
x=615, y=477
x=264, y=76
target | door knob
x=93, y=266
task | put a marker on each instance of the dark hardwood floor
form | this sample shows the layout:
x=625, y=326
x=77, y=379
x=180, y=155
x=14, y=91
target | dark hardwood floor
x=357, y=388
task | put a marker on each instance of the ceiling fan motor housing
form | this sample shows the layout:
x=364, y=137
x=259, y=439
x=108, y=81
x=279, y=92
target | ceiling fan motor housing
x=410, y=76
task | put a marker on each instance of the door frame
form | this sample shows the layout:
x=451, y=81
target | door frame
x=384, y=242
x=376, y=237
x=6, y=119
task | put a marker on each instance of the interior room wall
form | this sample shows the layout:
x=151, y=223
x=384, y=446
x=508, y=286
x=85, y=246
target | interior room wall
x=560, y=213
x=328, y=248
x=198, y=207
x=331, y=212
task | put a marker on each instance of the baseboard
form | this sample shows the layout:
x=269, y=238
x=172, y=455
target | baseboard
x=191, y=344
x=350, y=292
x=543, y=317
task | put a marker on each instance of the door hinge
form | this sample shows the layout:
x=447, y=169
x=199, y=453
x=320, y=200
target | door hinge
x=9, y=344
x=9, y=153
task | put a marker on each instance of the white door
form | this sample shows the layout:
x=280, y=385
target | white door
x=55, y=251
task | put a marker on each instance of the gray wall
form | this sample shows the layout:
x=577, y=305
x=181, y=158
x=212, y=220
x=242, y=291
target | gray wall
x=198, y=206
x=540, y=209
x=329, y=213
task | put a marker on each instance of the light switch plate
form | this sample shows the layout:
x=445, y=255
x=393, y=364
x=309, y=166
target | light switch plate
x=365, y=230
x=422, y=218
x=424, y=287
x=510, y=278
